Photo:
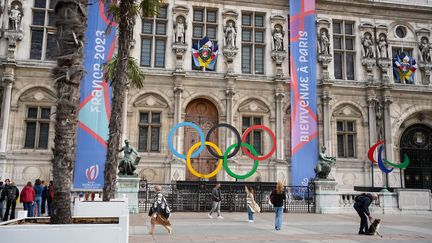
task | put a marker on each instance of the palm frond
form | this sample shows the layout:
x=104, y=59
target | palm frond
x=135, y=75
x=150, y=8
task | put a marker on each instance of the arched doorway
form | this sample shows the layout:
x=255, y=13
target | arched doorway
x=203, y=113
x=416, y=142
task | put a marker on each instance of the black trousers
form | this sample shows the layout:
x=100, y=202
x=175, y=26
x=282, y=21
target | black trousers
x=10, y=204
x=363, y=219
x=43, y=205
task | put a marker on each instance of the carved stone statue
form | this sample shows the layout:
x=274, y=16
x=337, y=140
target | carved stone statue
x=323, y=168
x=15, y=16
x=179, y=30
x=278, y=36
x=230, y=35
x=367, y=45
x=127, y=166
x=425, y=50
x=324, y=43
x=382, y=47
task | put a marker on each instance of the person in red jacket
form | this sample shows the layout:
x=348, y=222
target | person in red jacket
x=27, y=197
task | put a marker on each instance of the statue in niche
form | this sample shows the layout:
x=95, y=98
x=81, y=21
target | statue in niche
x=425, y=50
x=382, y=46
x=324, y=43
x=230, y=35
x=379, y=121
x=127, y=165
x=15, y=16
x=278, y=35
x=367, y=45
x=179, y=30
x=323, y=168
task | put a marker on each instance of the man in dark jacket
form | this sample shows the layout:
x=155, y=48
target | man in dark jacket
x=216, y=196
x=361, y=205
x=11, y=193
x=1, y=200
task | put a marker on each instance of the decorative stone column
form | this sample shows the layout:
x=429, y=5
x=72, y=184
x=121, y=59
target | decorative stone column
x=368, y=49
x=388, y=133
x=280, y=98
x=177, y=166
x=8, y=81
x=326, y=119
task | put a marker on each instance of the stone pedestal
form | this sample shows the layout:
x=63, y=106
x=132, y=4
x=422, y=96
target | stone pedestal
x=388, y=202
x=326, y=196
x=128, y=187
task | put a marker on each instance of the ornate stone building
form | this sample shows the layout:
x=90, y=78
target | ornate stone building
x=360, y=99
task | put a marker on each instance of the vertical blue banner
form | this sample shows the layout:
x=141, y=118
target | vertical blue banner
x=304, y=131
x=95, y=101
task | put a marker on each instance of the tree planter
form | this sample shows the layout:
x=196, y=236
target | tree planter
x=93, y=221
x=83, y=229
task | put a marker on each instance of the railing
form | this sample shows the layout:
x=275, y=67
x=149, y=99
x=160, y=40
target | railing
x=405, y=2
x=196, y=196
x=347, y=200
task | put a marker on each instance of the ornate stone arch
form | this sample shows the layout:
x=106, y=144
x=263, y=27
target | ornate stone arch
x=40, y=93
x=353, y=107
x=255, y=104
x=150, y=98
x=211, y=97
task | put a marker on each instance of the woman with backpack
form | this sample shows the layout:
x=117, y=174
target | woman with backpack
x=252, y=207
x=159, y=212
x=277, y=198
x=38, y=188
x=27, y=198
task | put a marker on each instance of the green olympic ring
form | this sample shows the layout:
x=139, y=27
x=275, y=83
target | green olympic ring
x=229, y=171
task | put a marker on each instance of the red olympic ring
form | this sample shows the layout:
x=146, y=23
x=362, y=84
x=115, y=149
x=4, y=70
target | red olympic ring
x=273, y=138
x=372, y=151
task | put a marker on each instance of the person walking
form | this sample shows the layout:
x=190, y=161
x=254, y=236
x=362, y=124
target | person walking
x=38, y=188
x=11, y=194
x=361, y=205
x=44, y=198
x=50, y=197
x=251, y=206
x=27, y=198
x=2, y=186
x=277, y=198
x=216, y=201
x=159, y=212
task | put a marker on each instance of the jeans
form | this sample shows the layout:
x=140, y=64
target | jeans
x=278, y=217
x=38, y=204
x=250, y=213
x=10, y=206
x=216, y=206
x=1, y=208
x=29, y=206
x=363, y=219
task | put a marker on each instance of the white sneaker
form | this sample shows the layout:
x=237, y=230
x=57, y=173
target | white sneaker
x=209, y=215
x=220, y=217
x=250, y=221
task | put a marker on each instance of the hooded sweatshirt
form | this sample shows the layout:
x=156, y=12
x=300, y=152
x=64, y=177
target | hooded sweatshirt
x=27, y=194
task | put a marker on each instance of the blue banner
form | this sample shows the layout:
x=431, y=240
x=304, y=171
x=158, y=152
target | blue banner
x=95, y=101
x=304, y=131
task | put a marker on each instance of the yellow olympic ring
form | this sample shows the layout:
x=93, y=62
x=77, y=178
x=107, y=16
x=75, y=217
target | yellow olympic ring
x=196, y=173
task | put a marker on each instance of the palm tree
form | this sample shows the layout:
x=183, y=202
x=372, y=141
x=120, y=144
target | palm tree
x=124, y=14
x=71, y=26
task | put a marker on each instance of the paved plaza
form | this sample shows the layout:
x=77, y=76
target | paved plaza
x=197, y=227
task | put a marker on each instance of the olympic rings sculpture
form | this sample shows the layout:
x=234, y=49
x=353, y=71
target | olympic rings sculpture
x=215, y=151
x=381, y=161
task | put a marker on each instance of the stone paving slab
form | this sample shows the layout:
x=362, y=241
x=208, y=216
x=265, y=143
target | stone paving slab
x=197, y=227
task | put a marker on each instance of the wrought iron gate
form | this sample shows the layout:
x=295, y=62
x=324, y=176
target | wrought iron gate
x=195, y=196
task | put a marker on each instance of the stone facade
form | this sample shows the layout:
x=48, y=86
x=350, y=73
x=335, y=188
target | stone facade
x=27, y=83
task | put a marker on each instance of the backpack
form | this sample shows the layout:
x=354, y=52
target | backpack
x=11, y=193
x=358, y=198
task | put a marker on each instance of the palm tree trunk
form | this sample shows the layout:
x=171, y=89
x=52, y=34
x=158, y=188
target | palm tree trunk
x=71, y=25
x=119, y=85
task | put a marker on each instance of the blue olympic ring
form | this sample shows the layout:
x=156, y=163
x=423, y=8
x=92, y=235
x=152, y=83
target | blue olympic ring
x=186, y=124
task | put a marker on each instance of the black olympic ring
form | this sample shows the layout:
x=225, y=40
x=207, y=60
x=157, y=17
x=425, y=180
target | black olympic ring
x=237, y=134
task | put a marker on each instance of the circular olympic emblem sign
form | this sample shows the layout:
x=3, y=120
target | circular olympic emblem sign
x=382, y=161
x=216, y=152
